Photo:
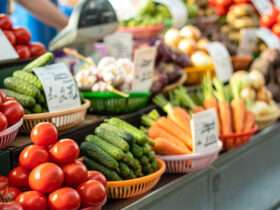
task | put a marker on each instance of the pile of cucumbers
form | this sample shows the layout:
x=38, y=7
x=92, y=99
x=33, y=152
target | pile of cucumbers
x=26, y=88
x=119, y=150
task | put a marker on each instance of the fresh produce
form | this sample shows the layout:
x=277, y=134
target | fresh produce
x=222, y=7
x=20, y=38
x=95, y=175
x=119, y=150
x=32, y=200
x=271, y=21
x=75, y=173
x=18, y=177
x=44, y=134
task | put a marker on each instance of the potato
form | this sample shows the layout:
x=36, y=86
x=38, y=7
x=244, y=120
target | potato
x=190, y=32
x=172, y=37
x=187, y=46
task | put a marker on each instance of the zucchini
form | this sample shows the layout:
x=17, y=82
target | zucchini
x=26, y=101
x=96, y=153
x=111, y=138
x=21, y=86
x=126, y=172
x=28, y=77
x=41, y=98
x=139, y=135
x=39, y=62
x=37, y=109
x=115, y=152
x=110, y=174
x=136, y=150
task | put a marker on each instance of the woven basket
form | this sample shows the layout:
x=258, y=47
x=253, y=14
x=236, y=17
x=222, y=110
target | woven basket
x=173, y=86
x=9, y=135
x=268, y=120
x=63, y=120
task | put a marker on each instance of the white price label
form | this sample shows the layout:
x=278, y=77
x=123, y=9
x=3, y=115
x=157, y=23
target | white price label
x=270, y=39
x=7, y=52
x=204, y=127
x=119, y=45
x=221, y=59
x=277, y=3
x=144, y=60
x=178, y=11
x=263, y=6
x=59, y=86
x=248, y=41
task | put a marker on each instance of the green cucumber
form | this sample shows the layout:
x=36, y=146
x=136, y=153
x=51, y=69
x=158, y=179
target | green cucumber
x=39, y=62
x=136, y=150
x=28, y=77
x=26, y=101
x=126, y=172
x=37, y=109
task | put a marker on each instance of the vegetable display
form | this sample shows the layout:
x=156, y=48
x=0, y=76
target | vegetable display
x=119, y=150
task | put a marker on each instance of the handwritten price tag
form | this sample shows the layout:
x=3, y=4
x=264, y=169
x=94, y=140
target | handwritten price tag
x=263, y=6
x=270, y=39
x=119, y=45
x=144, y=60
x=59, y=87
x=221, y=60
x=7, y=52
x=248, y=41
x=204, y=127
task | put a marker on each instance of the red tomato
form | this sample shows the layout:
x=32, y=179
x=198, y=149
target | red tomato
x=22, y=36
x=33, y=156
x=23, y=52
x=44, y=134
x=37, y=49
x=224, y=3
x=10, y=206
x=18, y=177
x=276, y=29
x=46, y=178
x=97, y=176
x=241, y=1
x=5, y=22
x=221, y=10
x=75, y=174
x=64, y=198
x=10, y=99
x=10, y=36
x=65, y=151
x=92, y=193
x=3, y=182
x=2, y=96
x=10, y=193
x=268, y=20
x=13, y=111
x=3, y=122
x=32, y=200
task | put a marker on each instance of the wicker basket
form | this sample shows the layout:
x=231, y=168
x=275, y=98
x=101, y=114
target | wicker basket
x=135, y=187
x=9, y=135
x=268, y=120
x=63, y=120
x=177, y=164
x=241, y=62
x=173, y=86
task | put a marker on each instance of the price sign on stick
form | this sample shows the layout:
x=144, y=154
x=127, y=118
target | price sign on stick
x=263, y=6
x=7, y=52
x=119, y=44
x=59, y=86
x=248, y=41
x=144, y=60
x=204, y=127
x=270, y=39
x=221, y=60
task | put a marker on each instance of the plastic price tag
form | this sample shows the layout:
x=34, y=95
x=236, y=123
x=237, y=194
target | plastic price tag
x=270, y=39
x=7, y=52
x=248, y=41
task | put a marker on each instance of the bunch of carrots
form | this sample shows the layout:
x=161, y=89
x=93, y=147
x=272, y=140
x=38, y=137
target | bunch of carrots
x=172, y=133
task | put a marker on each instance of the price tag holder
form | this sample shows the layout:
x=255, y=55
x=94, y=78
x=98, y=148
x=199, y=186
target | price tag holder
x=178, y=11
x=7, y=52
x=119, y=45
x=221, y=59
x=248, y=41
x=270, y=39
x=277, y=3
x=204, y=127
x=59, y=86
x=144, y=61
x=263, y=6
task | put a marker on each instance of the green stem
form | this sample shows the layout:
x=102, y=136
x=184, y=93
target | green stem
x=147, y=121
x=220, y=91
x=184, y=98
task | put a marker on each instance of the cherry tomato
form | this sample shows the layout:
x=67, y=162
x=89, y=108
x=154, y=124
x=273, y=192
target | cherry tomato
x=65, y=151
x=10, y=206
x=3, y=182
x=10, y=36
x=5, y=22
x=276, y=29
x=3, y=122
x=46, y=178
x=75, y=174
x=97, y=176
x=18, y=177
x=22, y=36
x=32, y=200
x=37, y=49
x=44, y=134
x=64, y=198
x=33, y=156
x=10, y=193
x=13, y=111
x=92, y=193
x=23, y=52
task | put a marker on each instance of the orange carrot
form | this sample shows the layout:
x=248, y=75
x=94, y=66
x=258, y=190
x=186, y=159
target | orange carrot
x=209, y=98
x=164, y=147
x=175, y=130
x=249, y=121
x=197, y=109
x=156, y=131
x=181, y=118
x=225, y=117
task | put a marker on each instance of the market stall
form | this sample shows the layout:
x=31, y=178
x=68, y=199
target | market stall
x=145, y=105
